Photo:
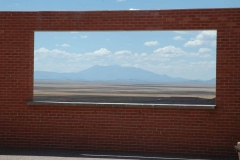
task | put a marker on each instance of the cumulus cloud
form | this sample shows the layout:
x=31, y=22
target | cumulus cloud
x=178, y=38
x=159, y=61
x=207, y=35
x=120, y=57
x=171, y=51
x=203, y=38
x=46, y=54
x=54, y=52
x=204, y=50
x=124, y=52
x=133, y=9
x=151, y=43
x=65, y=45
x=195, y=42
x=84, y=36
x=100, y=52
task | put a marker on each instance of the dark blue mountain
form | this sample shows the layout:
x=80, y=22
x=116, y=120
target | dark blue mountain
x=109, y=73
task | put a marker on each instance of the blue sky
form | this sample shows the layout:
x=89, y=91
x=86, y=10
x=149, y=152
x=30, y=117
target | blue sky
x=186, y=54
x=77, y=5
x=189, y=54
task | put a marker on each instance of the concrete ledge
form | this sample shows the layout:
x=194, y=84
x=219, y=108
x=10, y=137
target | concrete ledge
x=140, y=105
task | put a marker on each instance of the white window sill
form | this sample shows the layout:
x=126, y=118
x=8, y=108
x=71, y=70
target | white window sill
x=140, y=105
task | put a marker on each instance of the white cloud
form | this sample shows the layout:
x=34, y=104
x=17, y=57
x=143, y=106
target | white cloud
x=45, y=54
x=124, y=52
x=159, y=61
x=133, y=9
x=204, y=50
x=178, y=38
x=84, y=36
x=151, y=43
x=120, y=0
x=52, y=52
x=169, y=51
x=195, y=42
x=100, y=52
x=203, y=38
x=65, y=45
x=120, y=57
x=41, y=50
x=207, y=35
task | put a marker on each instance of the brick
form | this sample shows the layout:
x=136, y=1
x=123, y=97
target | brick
x=143, y=130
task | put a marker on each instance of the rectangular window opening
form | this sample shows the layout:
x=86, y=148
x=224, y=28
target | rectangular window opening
x=126, y=67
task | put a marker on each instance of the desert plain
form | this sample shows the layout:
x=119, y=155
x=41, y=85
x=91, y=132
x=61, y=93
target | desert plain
x=124, y=92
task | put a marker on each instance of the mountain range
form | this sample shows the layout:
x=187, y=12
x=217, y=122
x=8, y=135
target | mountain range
x=114, y=73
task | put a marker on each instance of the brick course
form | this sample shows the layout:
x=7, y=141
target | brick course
x=122, y=129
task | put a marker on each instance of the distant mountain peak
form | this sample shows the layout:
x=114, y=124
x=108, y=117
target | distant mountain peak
x=115, y=73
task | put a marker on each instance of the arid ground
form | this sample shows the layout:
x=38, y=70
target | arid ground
x=124, y=92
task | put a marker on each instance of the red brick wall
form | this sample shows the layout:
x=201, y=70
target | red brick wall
x=145, y=130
